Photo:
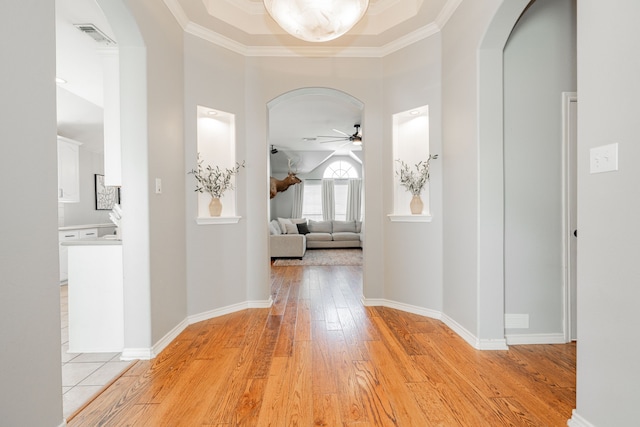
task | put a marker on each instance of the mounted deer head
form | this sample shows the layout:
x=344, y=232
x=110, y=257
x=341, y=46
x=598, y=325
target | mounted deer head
x=280, y=185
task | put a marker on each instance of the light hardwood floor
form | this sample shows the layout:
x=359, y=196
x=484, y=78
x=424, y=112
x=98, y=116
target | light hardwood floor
x=317, y=357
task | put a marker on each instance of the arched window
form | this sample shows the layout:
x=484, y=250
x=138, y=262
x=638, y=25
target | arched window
x=340, y=170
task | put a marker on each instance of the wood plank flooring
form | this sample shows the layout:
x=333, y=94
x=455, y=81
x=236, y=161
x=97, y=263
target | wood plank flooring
x=318, y=357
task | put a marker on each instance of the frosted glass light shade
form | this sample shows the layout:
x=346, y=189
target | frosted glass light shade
x=316, y=20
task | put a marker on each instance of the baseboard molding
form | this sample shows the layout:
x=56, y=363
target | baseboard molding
x=64, y=423
x=522, y=339
x=577, y=421
x=169, y=337
x=228, y=310
x=137, y=354
x=421, y=311
x=499, y=344
x=471, y=339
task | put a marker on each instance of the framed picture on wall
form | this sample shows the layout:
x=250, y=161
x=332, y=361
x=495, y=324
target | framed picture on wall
x=106, y=196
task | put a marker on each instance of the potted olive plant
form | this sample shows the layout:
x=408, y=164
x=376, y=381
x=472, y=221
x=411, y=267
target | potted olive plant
x=215, y=181
x=414, y=181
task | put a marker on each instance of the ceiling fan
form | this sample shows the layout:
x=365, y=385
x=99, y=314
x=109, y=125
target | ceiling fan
x=356, y=138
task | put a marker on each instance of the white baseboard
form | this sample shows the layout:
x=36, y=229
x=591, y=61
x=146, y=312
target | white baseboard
x=150, y=353
x=471, y=339
x=137, y=354
x=64, y=423
x=169, y=337
x=521, y=339
x=577, y=421
x=228, y=310
x=499, y=344
x=421, y=311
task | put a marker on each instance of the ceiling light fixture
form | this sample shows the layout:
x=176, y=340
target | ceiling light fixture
x=60, y=80
x=316, y=20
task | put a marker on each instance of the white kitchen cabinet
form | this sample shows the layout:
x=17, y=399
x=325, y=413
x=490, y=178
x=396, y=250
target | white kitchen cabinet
x=68, y=170
x=68, y=235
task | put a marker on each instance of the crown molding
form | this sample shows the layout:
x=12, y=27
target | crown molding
x=312, y=51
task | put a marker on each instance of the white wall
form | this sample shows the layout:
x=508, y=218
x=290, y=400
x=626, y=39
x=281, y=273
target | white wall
x=539, y=64
x=608, y=211
x=413, y=251
x=30, y=377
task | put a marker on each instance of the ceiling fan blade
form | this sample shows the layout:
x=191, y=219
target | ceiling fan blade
x=330, y=136
x=340, y=132
x=334, y=140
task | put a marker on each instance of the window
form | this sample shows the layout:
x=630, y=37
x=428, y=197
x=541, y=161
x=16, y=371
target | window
x=340, y=171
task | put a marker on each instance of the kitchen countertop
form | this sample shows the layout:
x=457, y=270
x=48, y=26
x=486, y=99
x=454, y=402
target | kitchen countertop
x=85, y=226
x=100, y=241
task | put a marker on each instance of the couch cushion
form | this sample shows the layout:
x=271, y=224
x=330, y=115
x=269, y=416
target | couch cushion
x=325, y=237
x=298, y=220
x=346, y=235
x=358, y=226
x=340, y=226
x=291, y=228
x=303, y=228
x=274, y=229
x=320, y=226
x=283, y=224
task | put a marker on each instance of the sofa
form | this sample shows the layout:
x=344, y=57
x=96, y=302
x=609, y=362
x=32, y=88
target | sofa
x=291, y=237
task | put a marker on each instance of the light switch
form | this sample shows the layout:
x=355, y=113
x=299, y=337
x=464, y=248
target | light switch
x=604, y=158
x=158, y=186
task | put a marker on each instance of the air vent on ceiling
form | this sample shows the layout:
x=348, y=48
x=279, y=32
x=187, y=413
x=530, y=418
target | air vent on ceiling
x=95, y=33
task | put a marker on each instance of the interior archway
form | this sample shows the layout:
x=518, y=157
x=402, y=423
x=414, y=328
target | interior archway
x=309, y=128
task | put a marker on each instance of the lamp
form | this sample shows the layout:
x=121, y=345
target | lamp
x=316, y=20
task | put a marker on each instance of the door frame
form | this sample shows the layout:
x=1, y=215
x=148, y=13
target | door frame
x=569, y=159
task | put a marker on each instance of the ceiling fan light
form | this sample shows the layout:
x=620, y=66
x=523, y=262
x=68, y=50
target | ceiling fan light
x=316, y=20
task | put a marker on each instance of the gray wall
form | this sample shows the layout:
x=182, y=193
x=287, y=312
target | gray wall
x=30, y=377
x=608, y=212
x=84, y=212
x=539, y=64
x=413, y=251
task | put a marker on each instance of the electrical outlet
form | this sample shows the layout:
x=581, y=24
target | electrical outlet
x=603, y=158
x=158, y=186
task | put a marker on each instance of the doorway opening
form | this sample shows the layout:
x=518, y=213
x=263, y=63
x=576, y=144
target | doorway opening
x=317, y=136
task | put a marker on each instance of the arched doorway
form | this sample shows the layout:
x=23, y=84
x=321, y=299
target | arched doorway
x=491, y=174
x=308, y=129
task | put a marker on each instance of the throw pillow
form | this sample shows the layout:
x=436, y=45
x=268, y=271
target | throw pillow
x=358, y=226
x=303, y=228
x=274, y=226
x=291, y=229
x=283, y=224
x=274, y=230
x=299, y=220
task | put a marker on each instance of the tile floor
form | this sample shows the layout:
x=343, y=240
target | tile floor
x=83, y=374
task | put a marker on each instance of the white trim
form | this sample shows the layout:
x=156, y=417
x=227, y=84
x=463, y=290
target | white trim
x=64, y=423
x=520, y=339
x=567, y=99
x=218, y=220
x=169, y=337
x=421, y=311
x=312, y=51
x=492, y=344
x=499, y=344
x=137, y=354
x=578, y=421
x=228, y=310
x=410, y=218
